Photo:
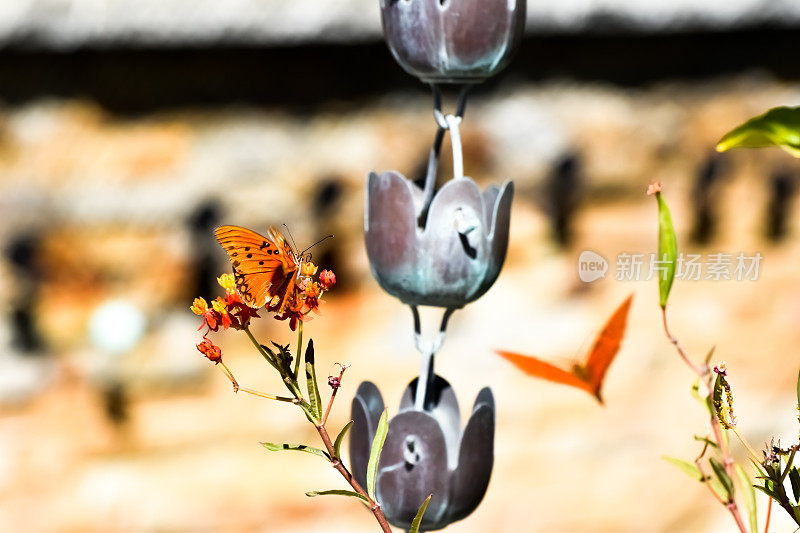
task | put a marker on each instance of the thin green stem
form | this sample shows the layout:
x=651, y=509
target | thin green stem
x=227, y=371
x=299, y=353
x=269, y=396
x=749, y=448
x=289, y=381
x=261, y=349
x=674, y=341
x=333, y=395
x=788, y=465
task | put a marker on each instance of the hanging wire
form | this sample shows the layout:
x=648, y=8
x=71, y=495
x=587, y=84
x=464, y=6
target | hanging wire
x=436, y=149
x=445, y=123
x=453, y=124
x=428, y=351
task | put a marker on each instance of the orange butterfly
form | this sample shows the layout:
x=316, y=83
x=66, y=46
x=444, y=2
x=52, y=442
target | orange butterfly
x=265, y=268
x=588, y=376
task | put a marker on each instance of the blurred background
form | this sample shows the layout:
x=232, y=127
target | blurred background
x=130, y=129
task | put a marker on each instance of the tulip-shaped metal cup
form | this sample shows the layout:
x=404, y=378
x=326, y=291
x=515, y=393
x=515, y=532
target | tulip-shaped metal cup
x=445, y=257
x=425, y=453
x=452, y=41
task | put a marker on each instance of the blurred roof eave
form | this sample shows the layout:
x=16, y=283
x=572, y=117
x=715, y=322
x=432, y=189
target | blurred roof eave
x=65, y=24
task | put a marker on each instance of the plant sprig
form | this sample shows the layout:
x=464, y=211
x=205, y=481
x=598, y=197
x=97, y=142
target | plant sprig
x=232, y=312
x=771, y=471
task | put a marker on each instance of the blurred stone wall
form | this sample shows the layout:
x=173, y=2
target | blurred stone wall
x=64, y=24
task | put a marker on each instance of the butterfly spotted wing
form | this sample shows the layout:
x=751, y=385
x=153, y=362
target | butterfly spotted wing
x=588, y=376
x=263, y=267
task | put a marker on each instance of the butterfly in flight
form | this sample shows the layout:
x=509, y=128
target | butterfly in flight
x=266, y=269
x=589, y=375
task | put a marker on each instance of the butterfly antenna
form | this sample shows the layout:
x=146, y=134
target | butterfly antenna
x=316, y=243
x=294, y=244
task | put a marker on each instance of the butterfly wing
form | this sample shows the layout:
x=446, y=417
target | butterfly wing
x=606, y=347
x=264, y=267
x=290, y=265
x=544, y=370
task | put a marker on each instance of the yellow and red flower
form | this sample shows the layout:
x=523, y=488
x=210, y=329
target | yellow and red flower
x=307, y=268
x=211, y=317
x=231, y=311
x=227, y=282
x=228, y=311
x=222, y=310
x=306, y=296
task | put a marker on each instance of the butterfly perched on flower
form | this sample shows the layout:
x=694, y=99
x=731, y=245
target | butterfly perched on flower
x=266, y=269
x=589, y=375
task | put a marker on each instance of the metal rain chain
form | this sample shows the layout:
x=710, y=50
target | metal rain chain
x=441, y=248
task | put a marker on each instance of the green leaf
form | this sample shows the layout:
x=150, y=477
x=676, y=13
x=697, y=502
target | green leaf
x=794, y=478
x=311, y=382
x=759, y=468
x=717, y=399
x=375, y=453
x=773, y=473
x=749, y=497
x=688, y=468
x=418, y=519
x=779, y=126
x=710, y=407
x=337, y=444
x=720, y=386
x=338, y=492
x=284, y=358
x=696, y=391
x=268, y=354
x=706, y=440
x=718, y=489
x=723, y=476
x=769, y=492
x=709, y=355
x=273, y=447
x=667, y=250
x=798, y=390
x=704, y=401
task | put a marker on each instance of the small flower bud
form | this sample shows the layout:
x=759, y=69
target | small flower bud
x=335, y=382
x=212, y=352
x=654, y=187
x=327, y=279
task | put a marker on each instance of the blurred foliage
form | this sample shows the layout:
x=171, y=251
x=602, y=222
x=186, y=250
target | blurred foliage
x=779, y=126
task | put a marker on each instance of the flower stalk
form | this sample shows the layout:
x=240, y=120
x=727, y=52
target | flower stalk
x=704, y=376
x=718, y=400
x=231, y=312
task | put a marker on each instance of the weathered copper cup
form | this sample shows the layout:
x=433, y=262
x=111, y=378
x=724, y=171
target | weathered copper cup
x=445, y=256
x=452, y=41
x=425, y=453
